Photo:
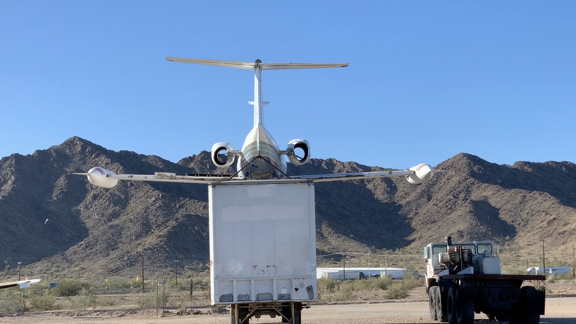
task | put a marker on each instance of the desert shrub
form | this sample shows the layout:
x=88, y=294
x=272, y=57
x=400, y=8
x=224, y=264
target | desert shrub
x=381, y=283
x=83, y=300
x=152, y=299
x=178, y=301
x=147, y=300
x=345, y=292
x=108, y=301
x=42, y=302
x=410, y=282
x=326, y=284
x=397, y=291
x=69, y=288
x=565, y=276
x=11, y=303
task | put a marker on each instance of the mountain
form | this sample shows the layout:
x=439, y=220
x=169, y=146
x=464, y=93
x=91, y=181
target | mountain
x=53, y=220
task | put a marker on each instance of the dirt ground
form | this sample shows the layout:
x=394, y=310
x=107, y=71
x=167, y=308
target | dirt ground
x=560, y=309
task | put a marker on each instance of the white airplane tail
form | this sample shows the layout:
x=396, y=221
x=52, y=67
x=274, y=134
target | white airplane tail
x=258, y=66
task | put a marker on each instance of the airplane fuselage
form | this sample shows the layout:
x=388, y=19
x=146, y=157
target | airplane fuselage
x=261, y=158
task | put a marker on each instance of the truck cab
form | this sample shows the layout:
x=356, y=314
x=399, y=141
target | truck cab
x=436, y=255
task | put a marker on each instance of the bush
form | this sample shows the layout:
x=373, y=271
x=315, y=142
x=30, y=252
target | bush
x=326, y=285
x=397, y=291
x=69, y=288
x=413, y=282
x=83, y=300
x=42, y=303
x=12, y=303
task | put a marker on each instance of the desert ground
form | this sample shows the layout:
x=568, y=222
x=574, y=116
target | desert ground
x=560, y=309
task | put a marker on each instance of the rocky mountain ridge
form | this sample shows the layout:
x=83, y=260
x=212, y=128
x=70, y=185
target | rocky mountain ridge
x=51, y=217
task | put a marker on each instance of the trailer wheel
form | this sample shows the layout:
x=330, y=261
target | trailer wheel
x=441, y=306
x=451, y=305
x=432, y=292
x=464, y=307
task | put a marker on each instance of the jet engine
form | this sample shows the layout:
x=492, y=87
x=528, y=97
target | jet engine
x=298, y=151
x=422, y=173
x=223, y=154
x=99, y=177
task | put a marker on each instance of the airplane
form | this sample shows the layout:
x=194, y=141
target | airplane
x=260, y=158
x=22, y=283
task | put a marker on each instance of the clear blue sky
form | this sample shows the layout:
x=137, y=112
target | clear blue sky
x=427, y=79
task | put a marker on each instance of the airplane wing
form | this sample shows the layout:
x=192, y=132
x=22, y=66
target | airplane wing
x=108, y=179
x=23, y=283
x=352, y=176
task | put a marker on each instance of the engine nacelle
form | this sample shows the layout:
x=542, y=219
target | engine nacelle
x=99, y=177
x=422, y=173
x=298, y=144
x=223, y=148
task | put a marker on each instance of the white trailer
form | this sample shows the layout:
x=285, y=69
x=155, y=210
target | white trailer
x=359, y=273
x=262, y=249
x=549, y=270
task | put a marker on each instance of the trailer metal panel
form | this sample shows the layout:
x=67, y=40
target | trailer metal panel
x=262, y=243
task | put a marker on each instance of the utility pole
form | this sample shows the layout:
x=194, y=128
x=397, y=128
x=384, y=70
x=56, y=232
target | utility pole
x=19, y=271
x=543, y=259
x=573, y=262
x=344, y=266
x=176, y=270
x=142, y=255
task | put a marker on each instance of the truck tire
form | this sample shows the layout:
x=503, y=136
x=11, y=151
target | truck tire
x=451, y=305
x=440, y=305
x=432, y=292
x=464, y=307
x=521, y=313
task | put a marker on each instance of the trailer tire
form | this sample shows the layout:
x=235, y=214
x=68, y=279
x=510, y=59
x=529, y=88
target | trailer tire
x=440, y=304
x=464, y=307
x=521, y=313
x=432, y=292
x=451, y=305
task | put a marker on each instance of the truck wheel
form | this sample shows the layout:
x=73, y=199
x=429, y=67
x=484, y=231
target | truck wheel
x=464, y=307
x=529, y=302
x=432, y=292
x=441, y=306
x=451, y=305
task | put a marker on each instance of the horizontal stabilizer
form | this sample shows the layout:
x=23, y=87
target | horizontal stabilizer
x=252, y=65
